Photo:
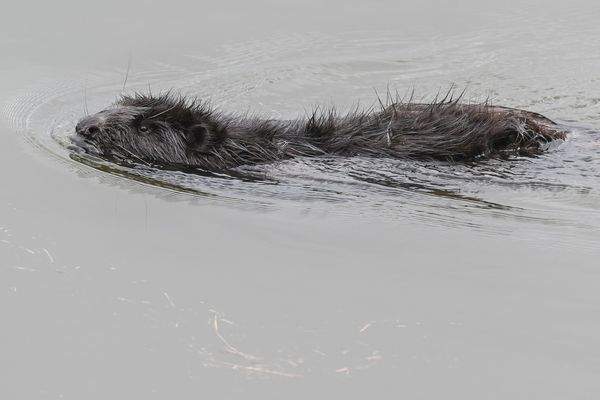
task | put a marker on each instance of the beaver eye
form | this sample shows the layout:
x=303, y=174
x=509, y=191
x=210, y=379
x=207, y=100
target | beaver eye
x=144, y=128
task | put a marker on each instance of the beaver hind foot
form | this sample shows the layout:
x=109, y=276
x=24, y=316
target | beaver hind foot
x=176, y=132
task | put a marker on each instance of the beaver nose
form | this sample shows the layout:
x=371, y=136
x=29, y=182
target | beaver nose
x=88, y=126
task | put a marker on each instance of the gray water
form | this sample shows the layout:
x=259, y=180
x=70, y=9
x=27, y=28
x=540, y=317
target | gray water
x=321, y=278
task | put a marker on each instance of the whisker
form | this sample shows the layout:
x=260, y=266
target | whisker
x=85, y=105
x=133, y=154
x=162, y=112
x=127, y=73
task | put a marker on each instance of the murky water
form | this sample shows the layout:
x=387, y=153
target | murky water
x=315, y=278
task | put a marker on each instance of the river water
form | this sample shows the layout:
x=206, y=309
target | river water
x=309, y=278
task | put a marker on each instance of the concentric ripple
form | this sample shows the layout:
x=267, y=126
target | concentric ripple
x=285, y=77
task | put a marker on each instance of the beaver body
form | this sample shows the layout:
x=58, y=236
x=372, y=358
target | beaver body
x=175, y=132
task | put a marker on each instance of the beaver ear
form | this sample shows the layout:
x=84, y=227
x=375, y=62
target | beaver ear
x=196, y=137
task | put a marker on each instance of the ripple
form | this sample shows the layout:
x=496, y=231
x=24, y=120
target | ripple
x=285, y=76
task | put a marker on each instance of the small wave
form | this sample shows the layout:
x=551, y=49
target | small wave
x=284, y=77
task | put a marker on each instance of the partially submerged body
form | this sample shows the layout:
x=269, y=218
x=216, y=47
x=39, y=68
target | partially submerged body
x=174, y=132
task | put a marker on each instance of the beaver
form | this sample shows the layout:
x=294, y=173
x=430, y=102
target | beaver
x=173, y=131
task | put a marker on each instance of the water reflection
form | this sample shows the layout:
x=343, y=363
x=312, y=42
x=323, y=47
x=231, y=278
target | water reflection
x=284, y=76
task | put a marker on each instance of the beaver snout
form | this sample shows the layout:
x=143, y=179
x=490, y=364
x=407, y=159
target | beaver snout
x=89, y=126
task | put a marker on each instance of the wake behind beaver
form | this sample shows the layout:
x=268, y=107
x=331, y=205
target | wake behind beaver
x=175, y=132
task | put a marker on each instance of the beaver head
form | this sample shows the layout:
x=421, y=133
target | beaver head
x=158, y=130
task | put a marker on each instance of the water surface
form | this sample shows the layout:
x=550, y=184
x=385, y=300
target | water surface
x=316, y=277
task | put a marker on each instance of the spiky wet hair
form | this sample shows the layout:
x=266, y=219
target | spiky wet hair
x=179, y=106
x=189, y=132
x=197, y=118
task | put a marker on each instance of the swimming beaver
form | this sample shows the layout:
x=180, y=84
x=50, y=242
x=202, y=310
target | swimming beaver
x=172, y=131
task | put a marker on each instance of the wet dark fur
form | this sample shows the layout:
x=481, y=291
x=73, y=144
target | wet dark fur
x=172, y=131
